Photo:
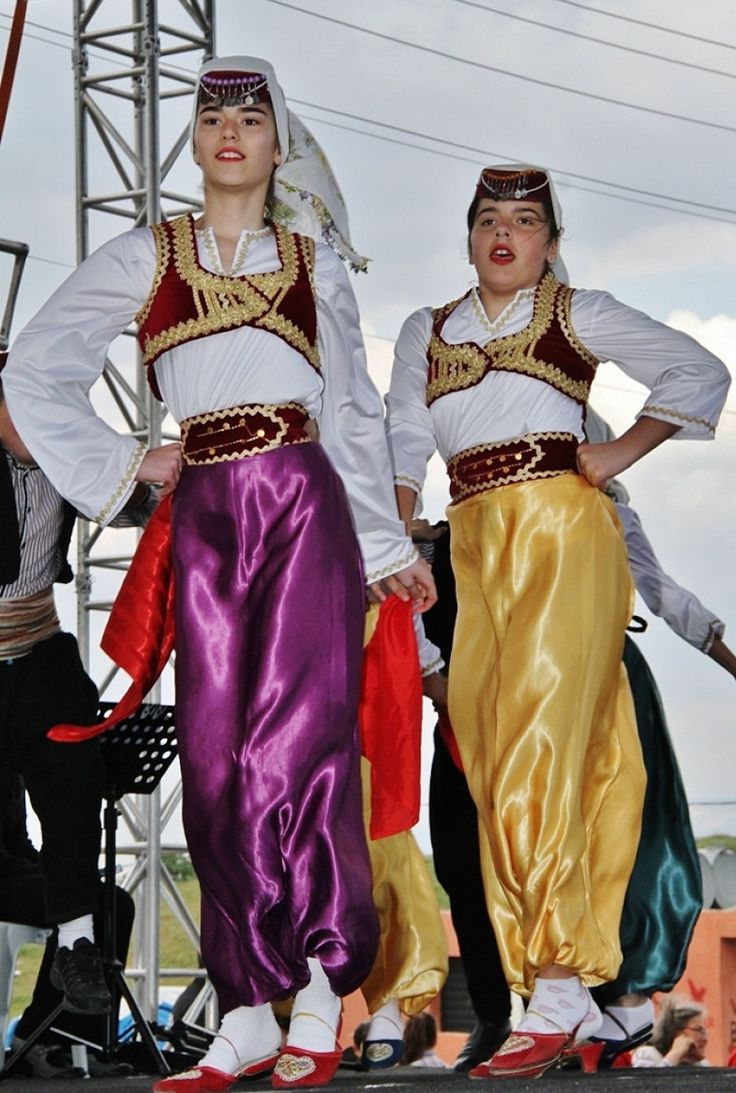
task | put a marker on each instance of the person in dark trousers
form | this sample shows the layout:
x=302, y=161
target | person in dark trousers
x=22, y=900
x=42, y=683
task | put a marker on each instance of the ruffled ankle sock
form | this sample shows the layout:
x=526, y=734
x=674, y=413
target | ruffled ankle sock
x=561, y=1005
x=316, y=1013
x=245, y=1034
x=386, y=1023
x=633, y=1018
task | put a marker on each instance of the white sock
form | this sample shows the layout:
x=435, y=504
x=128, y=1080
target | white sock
x=246, y=1034
x=316, y=1013
x=386, y=1023
x=632, y=1018
x=561, y=1005
x=71, y=931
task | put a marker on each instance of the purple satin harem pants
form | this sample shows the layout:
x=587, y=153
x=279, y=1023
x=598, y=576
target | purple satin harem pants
x=269, y=629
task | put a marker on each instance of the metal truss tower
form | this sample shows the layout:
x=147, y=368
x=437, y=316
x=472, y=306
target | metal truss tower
x=131, y=79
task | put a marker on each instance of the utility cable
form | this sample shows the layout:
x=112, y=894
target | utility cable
x=502, y=158
x=550, y=84
x=598, y=41
x=652, y=26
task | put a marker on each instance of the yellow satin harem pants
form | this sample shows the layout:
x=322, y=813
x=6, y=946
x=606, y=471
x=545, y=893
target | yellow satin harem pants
x=411, y=965
x=544, y=720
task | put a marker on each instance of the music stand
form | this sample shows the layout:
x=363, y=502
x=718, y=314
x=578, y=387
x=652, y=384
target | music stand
x=137, y=753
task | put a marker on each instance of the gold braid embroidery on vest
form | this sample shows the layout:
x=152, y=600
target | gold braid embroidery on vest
x=223, y=302
x=457, y=367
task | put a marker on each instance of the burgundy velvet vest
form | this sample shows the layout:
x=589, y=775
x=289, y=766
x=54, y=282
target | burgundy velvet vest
x=187, y=302
x=546, y=349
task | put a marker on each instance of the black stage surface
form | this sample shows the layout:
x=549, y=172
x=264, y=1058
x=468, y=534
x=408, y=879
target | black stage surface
x=414, y=1079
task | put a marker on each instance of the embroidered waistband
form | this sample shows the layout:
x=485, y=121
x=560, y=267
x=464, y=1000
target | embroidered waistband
x=535, y=455
x=25, y=622
x=241, y=431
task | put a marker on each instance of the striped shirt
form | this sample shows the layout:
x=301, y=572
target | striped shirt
x=27, y=611
x=40, y=513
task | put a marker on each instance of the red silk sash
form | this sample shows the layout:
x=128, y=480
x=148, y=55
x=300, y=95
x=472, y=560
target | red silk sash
x=139, y=635
x=390, y=717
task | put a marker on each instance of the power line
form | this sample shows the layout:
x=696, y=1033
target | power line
x=598, y=41
x=503, y=71
x=643, y=23
x=38, y=38
x=689, y=206
x=486, y=154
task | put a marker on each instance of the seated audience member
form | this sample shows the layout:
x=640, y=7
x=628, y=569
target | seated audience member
x=420, y=1037
x=352, y=1055
x=680, y=1037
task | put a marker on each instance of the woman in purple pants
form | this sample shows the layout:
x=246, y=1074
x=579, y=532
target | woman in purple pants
x=249, y=332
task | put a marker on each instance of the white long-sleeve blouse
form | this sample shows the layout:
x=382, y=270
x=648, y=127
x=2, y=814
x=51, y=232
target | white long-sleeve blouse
x=687, y=384
x=61, y=353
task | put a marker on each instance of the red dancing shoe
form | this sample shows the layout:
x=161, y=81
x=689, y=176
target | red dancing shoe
x=298, y=1067
x=524, y=1055
x=207, y=1079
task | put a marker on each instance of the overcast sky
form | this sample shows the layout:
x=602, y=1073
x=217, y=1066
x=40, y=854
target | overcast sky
x=632, y=108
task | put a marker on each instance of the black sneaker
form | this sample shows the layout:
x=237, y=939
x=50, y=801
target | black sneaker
x=42, y=1061
x=78, y=972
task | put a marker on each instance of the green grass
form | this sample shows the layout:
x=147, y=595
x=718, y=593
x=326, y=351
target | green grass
x=708, y=842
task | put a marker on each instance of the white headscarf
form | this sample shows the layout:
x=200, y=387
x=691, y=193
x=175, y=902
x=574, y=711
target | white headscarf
x=558, y=267
x=306, y=197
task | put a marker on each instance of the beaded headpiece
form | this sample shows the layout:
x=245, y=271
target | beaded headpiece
x=232, y=89
x=513, y=185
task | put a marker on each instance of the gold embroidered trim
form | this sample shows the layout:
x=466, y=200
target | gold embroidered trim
x=531, y=438
x=526, y=475
x=513, y=1045
x=457, y=367
x=680, y=417
x=224, y=302
x=294, y=1068
x=269, y=409
x=395, y=567
x=138, y=454
x=163, y=254
x=407, y=480
x=715, y=630
x=433, y=666
x=564, y=317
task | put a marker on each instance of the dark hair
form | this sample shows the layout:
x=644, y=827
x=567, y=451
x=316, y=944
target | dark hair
x=673, y=1017
x=420, y=1034
x=360, y=1035
x=549, y=215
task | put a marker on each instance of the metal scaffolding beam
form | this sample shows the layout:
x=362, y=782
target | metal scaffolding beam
x=130, y=82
